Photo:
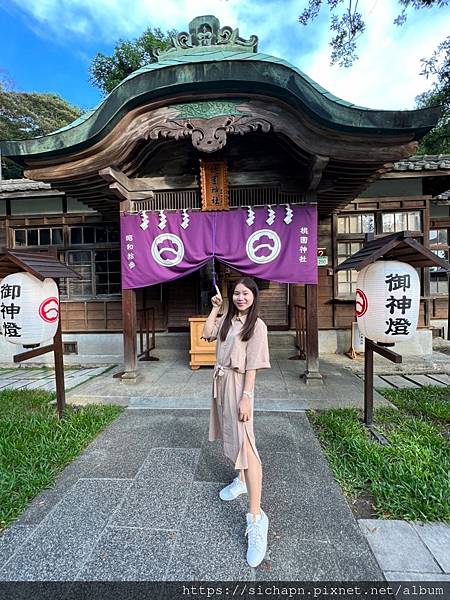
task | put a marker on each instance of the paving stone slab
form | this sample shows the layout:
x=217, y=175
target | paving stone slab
x=5, y=384
x=398, y=547
x=213, y=465
x=354, y=558
x=13, y=537
x=14, y=384
x=400, y=382
x=123, y=554
x=211, y=541
x=292, y=508
x=274, y=432
x=424, y=380
x=142, y=506
x=442, y=377
x=290, y=558
x=201, y=555
x=381, y=383
x=169, y=462
x=41, y=384
x=436, y=537
x=58, y=546
x=405, y=576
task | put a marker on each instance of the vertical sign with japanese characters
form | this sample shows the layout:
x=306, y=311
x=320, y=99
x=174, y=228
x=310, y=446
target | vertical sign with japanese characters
x=388, y=301
x=214, y=185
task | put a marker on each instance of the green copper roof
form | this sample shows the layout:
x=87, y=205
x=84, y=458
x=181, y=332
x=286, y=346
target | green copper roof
x=211, y=69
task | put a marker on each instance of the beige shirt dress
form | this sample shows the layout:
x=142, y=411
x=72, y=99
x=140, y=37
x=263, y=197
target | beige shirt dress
x=233, y=358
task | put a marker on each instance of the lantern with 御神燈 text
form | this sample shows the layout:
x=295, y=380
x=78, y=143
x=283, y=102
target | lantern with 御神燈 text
x=29, y=309
x=388, y=301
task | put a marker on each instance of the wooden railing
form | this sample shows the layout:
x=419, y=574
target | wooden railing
x=146, y=326
x=300, y=330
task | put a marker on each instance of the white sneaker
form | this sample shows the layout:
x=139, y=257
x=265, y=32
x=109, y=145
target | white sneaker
x=257, y=538
x=233, y=490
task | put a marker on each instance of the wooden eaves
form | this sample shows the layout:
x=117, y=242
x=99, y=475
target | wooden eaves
x=39, y=264
x=397, y=246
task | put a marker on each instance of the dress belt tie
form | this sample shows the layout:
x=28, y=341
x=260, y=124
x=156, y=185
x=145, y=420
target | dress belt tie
x=219, y=371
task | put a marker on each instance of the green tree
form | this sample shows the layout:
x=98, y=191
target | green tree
x=108, y=71
x=26, y=115
x=438, y=67
x=347, y=23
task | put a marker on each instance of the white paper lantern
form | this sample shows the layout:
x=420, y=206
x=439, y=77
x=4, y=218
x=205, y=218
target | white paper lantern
x=29, y=309
x=388, y=301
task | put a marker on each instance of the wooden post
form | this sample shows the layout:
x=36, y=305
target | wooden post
x=448, y=306
x=312, y=336
x=368, y=382
x=369, y=348
x=59, y=370
x=129, y=321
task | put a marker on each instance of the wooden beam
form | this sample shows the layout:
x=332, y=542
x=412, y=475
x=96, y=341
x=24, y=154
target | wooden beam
x=317, y=167
x=129, y=320
x=312, y=336
x=415, y=174
x=125, y=188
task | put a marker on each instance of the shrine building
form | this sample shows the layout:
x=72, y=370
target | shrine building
x=215, y=125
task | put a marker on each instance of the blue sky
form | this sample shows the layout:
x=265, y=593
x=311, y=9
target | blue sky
x=47, y=45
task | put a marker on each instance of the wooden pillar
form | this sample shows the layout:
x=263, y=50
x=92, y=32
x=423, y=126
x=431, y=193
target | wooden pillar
x=312, y=336
x=129, y=321
x=59, y=367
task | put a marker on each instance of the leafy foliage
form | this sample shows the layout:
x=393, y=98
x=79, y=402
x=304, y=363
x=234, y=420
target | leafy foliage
x=438, y=66
x=35, y=444
x=26, y=115
x=108, y=71
x=409, y=477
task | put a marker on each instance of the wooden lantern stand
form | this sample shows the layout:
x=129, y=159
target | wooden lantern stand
x=400, y=246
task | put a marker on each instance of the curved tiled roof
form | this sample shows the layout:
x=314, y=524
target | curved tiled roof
x=211, y=69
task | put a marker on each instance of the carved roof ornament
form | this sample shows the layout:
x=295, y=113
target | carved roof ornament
x=206, y=31
x=209, y=135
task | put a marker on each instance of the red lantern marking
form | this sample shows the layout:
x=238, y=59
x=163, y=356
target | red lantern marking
x=49, y=310
x=362, y=304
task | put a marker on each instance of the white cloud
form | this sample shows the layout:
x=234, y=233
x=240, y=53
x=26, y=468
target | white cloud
x=386, y=75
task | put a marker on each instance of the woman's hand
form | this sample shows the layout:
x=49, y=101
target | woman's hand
x=244, y=408
x=217, y=299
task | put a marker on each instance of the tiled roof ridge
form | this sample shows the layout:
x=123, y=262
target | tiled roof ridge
x=423, y=162
x=16, y=185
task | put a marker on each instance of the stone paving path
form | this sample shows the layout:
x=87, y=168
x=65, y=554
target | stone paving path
x=413, y=381
x=408, y=550
x=21, y=378
x=141, y=503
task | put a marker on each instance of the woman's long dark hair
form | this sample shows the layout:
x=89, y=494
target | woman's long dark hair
x=252, y=315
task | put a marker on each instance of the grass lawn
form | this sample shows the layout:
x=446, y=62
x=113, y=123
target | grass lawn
x=35, y=445
x=407, y=479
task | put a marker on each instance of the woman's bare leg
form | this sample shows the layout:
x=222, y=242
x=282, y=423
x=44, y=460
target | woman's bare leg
x=253, y=479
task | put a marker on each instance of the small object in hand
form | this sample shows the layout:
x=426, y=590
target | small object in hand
x=217, y=299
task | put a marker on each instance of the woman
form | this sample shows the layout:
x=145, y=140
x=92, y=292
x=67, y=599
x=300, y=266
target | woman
x=242, y=348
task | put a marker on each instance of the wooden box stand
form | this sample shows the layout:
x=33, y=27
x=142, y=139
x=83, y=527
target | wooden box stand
x=202, y=353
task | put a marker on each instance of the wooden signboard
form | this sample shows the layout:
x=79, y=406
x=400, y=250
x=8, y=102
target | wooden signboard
x=214, y=185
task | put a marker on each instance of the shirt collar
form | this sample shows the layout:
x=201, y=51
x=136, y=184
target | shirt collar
x=242, y=319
